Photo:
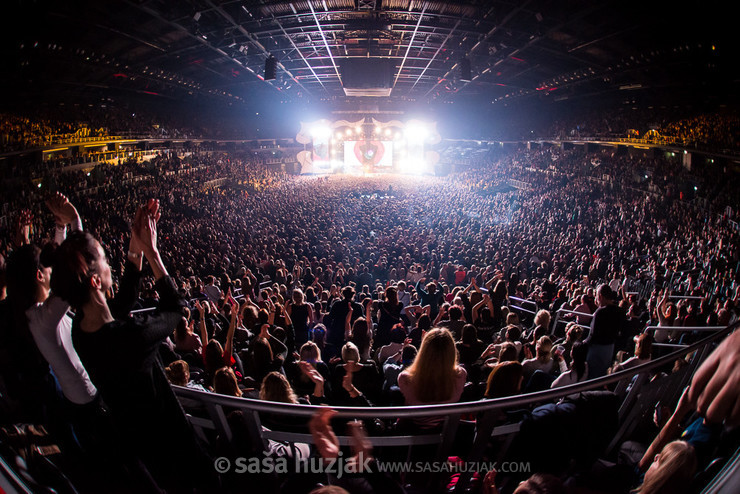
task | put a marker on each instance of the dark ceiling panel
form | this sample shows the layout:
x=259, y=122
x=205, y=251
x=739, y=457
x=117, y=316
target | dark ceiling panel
x=516, y=48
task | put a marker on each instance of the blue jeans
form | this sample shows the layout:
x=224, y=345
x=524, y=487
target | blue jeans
x=599, y=359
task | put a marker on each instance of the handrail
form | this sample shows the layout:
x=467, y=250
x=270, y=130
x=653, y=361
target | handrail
x=523, y=300
x=450, y=408
x=522, y=309
x=140, y=311
x=670, y=345
x=585, y=314
x=699, y=329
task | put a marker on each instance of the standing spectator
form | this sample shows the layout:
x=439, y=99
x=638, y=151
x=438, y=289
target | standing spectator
x=121, y=354
x=609, y=321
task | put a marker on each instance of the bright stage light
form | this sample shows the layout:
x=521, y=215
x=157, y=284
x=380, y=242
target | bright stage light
x=348, y=132
x=412, y=166
x=416, y=132
x=320, y=132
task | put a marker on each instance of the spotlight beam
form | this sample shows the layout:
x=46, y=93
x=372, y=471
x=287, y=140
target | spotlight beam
x=326, y=44
x=302, y=57
x=408, y=48
x=434, y=57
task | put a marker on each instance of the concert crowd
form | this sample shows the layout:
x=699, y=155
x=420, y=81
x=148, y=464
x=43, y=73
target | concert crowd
x=538, y=269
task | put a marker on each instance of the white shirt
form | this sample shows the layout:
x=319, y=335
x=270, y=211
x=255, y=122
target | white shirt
x=630, y=363
x=568, y=378
x=51, y=328
x=529, y=366
x=387, y=351
x=213, y=292
x=404, y=297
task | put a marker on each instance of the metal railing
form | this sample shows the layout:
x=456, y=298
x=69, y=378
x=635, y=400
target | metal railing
x=521, y=303
x=557, y=320
x=486, y=411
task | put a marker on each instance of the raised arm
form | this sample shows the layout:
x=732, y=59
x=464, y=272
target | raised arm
x=229, y=346
x=64, y=214
x=670, y=431
x=477, y=308
x=443, y=311
x=662, y=321
x=369, y=317
x=348, y=322
x=419, y=289
x=202, y=322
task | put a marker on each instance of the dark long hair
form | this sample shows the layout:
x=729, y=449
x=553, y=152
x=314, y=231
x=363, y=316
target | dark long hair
x=22, y=267
x=578, y=353
x=76, y=261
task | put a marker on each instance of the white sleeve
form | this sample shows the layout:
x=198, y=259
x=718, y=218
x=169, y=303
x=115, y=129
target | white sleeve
x=60, y=233
x=563, y=366
x=77, y=225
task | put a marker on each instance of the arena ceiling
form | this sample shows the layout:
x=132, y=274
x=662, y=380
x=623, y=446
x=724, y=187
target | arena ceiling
x=550, y=49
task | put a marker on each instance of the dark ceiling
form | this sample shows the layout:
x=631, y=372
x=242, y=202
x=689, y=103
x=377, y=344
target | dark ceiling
x=546, y=50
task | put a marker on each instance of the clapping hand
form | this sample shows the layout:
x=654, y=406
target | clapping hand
x=201, y=309
x=64, y=211
x=309, y=371
x=145, y=226
x=324, y=439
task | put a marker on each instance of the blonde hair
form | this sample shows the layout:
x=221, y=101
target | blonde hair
x=310, y=351
x=676, y=465
x=350, y=352
x=275, y=387
x=544, y=347
x=434, y=371
x=542, y=318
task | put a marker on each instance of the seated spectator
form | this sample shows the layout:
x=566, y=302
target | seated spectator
x=543, y=361
x=469, y=348
x=452, y=319
x=363, y=377
x=541, y=325
x=185, y=340
x=178, y=373
x=225, y=382
x=300, y=380
x=578, y=369
x=671, y=470
x=504, y=380
x=395, y=364
x=398, y=336
x=573, y=333
x=435, y=376
x=643, y=352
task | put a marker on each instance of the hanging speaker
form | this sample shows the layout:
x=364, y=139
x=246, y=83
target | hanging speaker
x=465, y=75
x=270, y=67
